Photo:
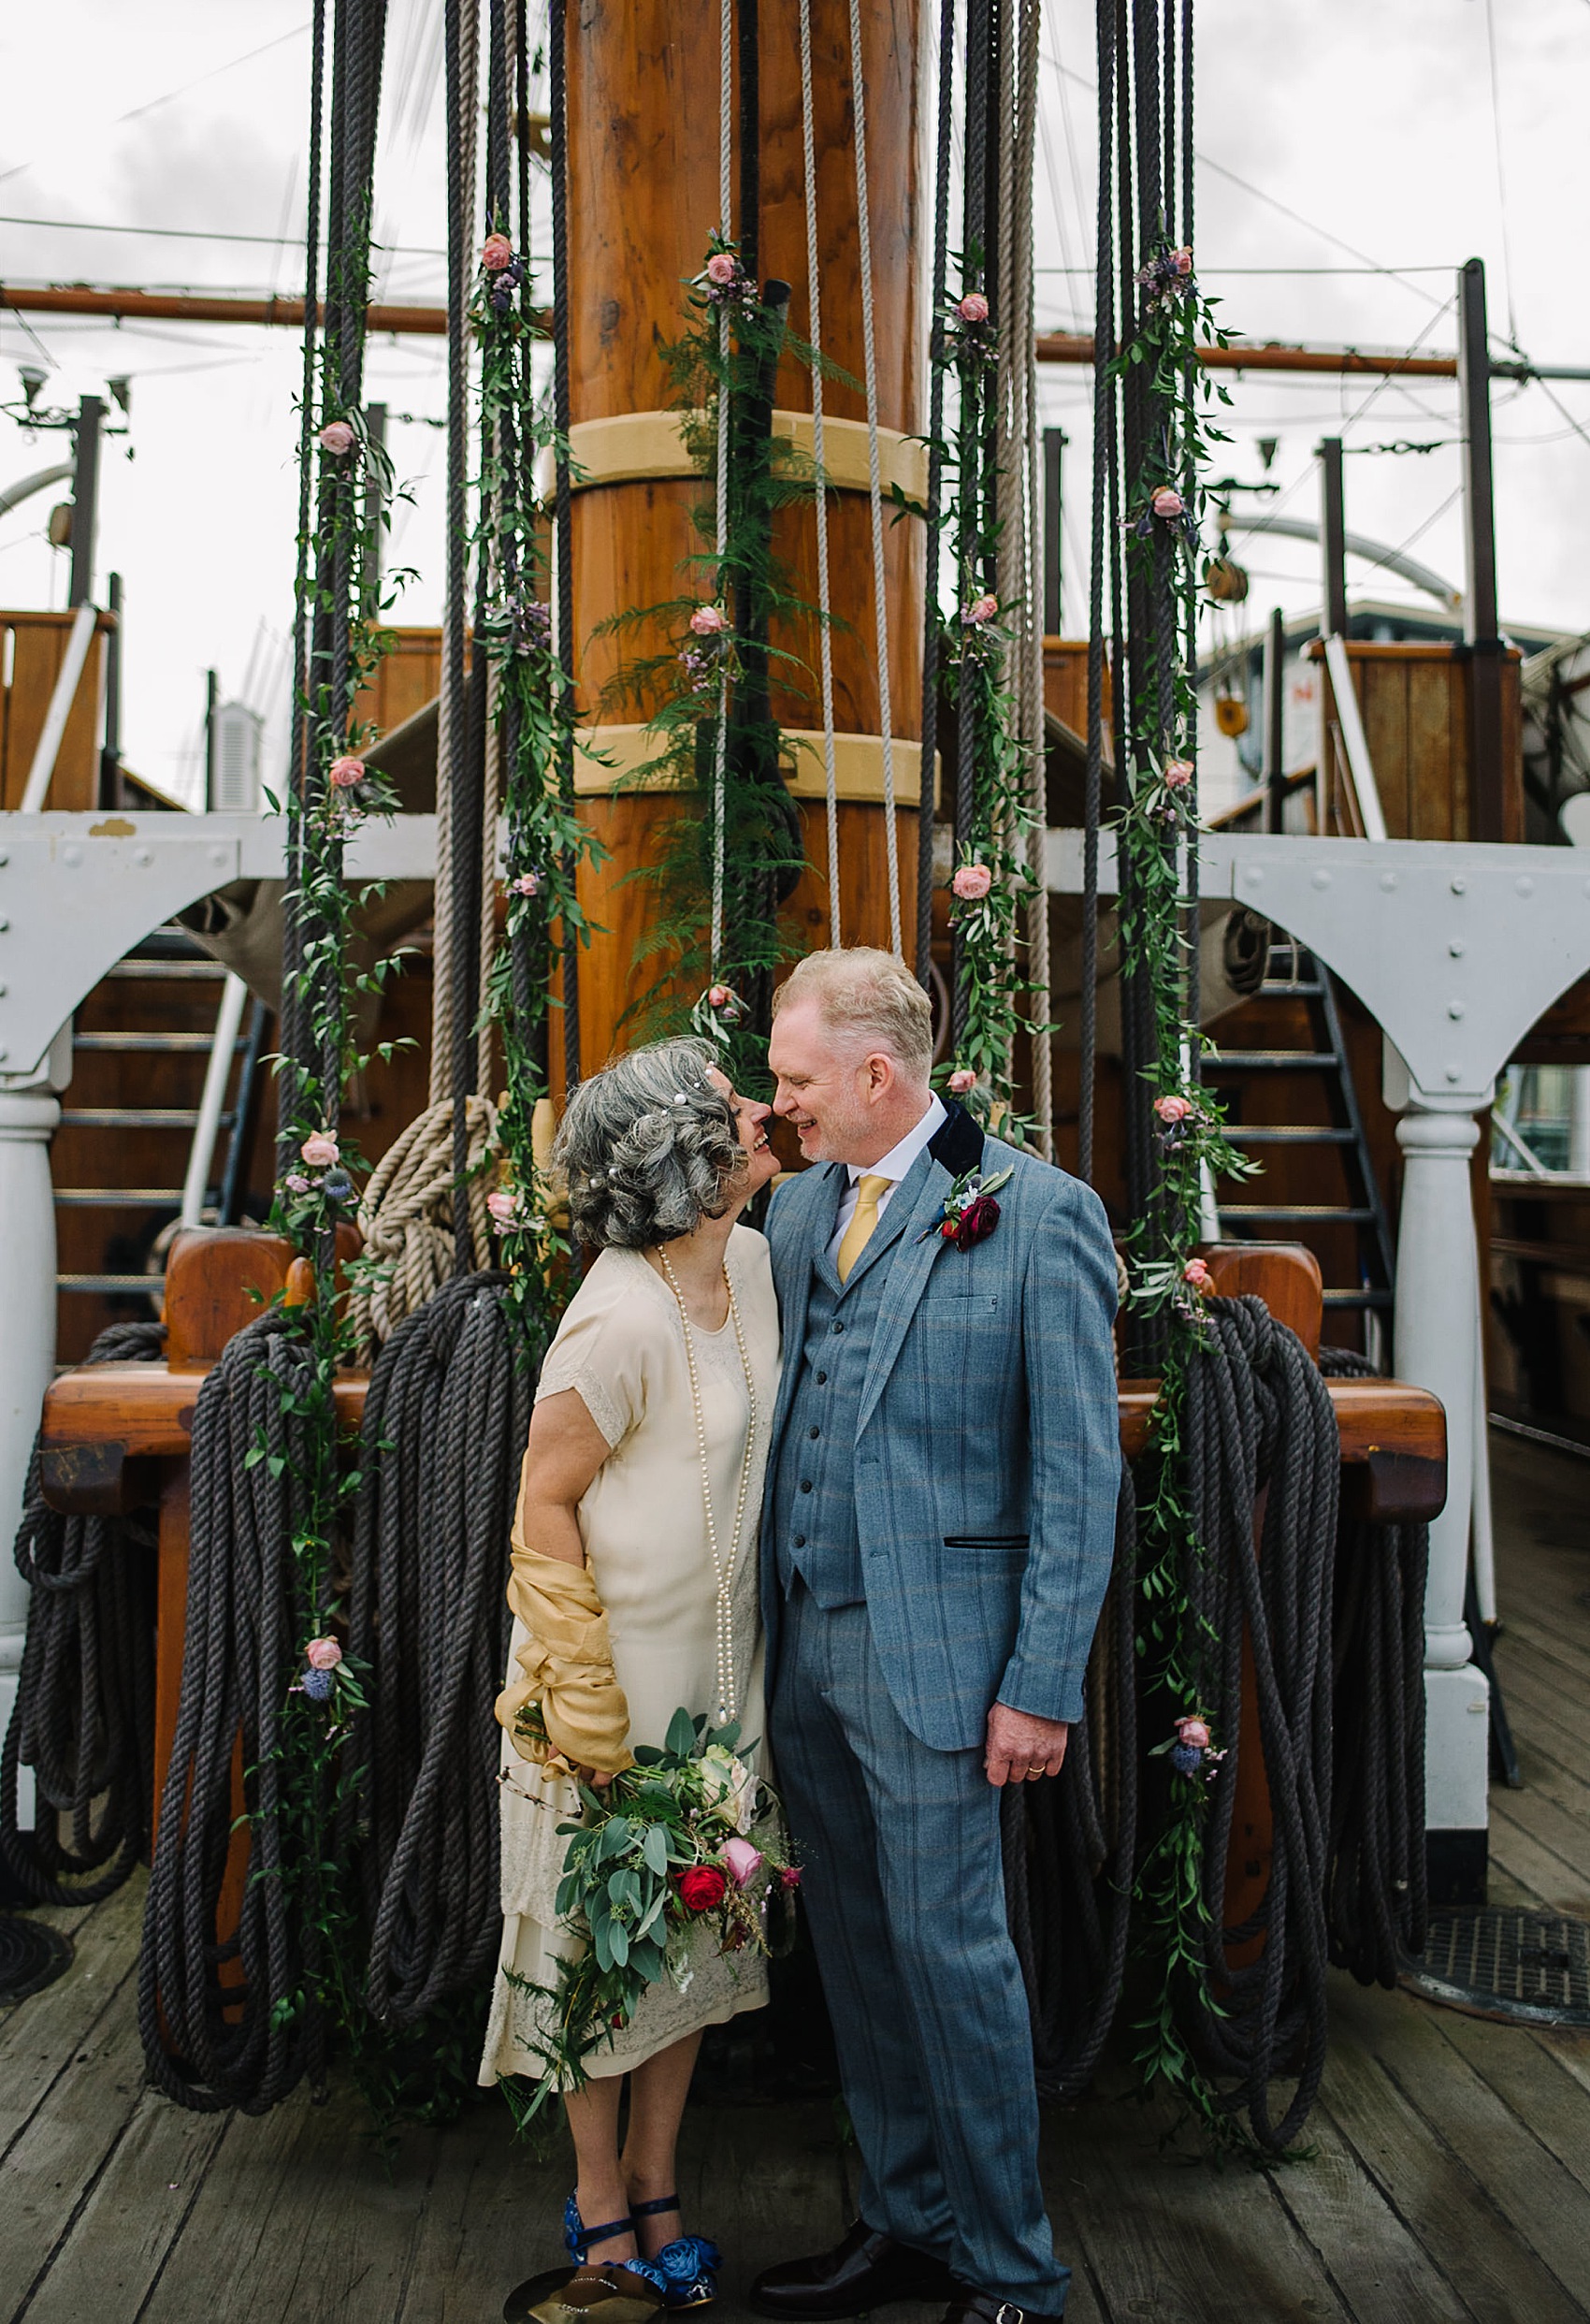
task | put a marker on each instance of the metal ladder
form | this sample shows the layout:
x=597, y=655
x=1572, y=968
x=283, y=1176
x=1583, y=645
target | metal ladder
x=168, y=956
x=1296, y=975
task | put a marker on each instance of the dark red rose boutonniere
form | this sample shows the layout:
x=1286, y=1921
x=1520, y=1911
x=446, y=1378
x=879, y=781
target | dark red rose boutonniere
x=970, y=1213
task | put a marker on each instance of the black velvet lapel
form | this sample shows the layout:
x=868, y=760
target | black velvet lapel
x=957, y=1142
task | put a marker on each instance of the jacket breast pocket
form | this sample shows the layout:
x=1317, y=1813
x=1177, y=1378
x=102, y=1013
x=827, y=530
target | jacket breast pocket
x=965, y=1304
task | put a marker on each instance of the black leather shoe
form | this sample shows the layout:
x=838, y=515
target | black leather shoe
x=866, y=2271
x=976, y=2307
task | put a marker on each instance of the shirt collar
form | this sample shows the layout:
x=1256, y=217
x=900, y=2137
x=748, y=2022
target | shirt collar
x=899, y=1159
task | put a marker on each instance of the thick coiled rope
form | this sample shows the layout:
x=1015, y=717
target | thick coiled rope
x=446, y=1418
x=1376, y=1902
x=406, y=1217
x=1340, y=1718
x=84, y=1717
x=217, y=2022
x=1070, y=1850
x=1259, y=1418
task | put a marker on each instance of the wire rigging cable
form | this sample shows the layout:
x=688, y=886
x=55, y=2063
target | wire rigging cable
x=946, y=66
x=725, y=423
x=819, y=485
x=875, y=484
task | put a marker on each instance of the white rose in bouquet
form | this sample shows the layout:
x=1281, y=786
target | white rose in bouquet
x=730, y=1787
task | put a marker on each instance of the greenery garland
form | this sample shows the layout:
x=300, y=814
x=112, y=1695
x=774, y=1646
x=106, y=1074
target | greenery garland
x=716, y=668
x=993, y=881
x=1155, y=824
x=547, y=841
x=334, y=792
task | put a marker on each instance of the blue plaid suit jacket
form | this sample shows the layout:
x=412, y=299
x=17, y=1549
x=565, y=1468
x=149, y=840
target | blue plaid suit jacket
x=987, y=1450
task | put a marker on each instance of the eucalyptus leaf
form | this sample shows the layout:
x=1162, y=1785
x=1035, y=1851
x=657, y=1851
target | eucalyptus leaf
x=681, y=1736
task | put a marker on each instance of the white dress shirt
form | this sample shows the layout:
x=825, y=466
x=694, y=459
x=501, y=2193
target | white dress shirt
x=893, y=1166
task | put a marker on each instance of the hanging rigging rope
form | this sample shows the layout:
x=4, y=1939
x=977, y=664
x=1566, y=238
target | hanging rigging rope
x=933, y=506
x=874, y=484
x=563, y=527
x=724, y=423
x=84, y=1716
x=819, y=486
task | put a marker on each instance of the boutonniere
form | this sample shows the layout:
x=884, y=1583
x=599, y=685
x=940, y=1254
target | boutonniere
x=970, y=1211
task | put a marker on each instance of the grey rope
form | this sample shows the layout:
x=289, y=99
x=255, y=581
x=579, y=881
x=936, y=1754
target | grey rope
x=84, y=1715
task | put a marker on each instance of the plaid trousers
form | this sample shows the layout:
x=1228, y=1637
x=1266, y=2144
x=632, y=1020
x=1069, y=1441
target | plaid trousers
x=904, y=1885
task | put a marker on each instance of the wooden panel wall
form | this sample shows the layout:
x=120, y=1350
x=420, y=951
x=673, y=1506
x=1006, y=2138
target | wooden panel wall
x=32, y=648
x=408, y=678
x=1413, y=700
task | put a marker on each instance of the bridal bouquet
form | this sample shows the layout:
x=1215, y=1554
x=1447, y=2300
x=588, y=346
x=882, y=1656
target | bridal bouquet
x=689, y=1843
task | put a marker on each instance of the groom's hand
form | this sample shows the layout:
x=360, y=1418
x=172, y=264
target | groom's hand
x=1020, y=1746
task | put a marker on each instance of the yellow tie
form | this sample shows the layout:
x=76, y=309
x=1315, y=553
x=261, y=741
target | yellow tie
x=869, y=1193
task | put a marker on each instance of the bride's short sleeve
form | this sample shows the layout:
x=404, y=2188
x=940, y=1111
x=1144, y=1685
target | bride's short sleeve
x=604, y=1352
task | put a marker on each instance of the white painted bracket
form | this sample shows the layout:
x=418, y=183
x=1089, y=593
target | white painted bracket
x=77, y=892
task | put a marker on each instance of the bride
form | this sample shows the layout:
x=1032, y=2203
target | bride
x=634, y=1590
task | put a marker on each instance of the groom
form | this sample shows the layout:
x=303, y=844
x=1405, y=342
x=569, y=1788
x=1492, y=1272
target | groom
x=937, y=1537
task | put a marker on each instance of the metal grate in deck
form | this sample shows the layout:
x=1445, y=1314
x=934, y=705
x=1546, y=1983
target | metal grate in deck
x=1505, y=1961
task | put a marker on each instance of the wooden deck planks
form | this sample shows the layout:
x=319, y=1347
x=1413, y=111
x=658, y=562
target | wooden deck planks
x=1450, y=2177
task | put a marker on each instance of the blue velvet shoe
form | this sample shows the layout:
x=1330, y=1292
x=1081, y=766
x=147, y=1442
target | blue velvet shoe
x=616, y=2291
x=689, y=2266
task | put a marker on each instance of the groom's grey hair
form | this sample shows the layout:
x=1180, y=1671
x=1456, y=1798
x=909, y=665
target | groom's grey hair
x=861, y=990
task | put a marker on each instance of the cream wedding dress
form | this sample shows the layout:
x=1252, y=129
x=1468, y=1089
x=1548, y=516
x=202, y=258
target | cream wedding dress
x=621, y=1348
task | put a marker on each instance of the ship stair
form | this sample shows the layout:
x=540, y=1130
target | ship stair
x=1317, y=1183
x=149, y=1109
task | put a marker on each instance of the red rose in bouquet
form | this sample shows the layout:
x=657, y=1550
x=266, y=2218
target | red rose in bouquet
x=702, y=1887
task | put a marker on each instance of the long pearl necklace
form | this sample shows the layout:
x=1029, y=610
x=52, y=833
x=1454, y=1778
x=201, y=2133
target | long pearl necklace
x=722, y=1569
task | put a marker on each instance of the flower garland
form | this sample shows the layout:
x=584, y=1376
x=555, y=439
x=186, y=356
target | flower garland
x=993, y=881
x=714, y=673
x=335, y=792
x=547, y=841
x=1155, y=826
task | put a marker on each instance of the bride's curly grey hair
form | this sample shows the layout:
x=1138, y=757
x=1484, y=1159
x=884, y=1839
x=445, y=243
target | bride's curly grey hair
x=648, y=1148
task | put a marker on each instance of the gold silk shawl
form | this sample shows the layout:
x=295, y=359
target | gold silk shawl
x=567, y=1659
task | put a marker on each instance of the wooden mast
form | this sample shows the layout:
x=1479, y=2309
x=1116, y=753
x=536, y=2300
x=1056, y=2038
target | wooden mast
x=644, y=82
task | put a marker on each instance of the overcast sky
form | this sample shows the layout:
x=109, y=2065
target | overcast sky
x=1351, y=157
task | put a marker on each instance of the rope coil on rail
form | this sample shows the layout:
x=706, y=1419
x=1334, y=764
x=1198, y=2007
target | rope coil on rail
x=215, y=2003
x=446, y=1417
x=1332, y=1615
x=84, y=1720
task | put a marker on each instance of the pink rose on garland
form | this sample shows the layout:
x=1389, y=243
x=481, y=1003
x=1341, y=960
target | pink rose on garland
x=337, y=438
x=1183, y=259
x=1174, y=1108
x=528, y=884
x=1195, y=1733
x=344, y=774
x=320, y=1150
x=709, y=621
x=1177, y=773
x=972, y=882
x=496, y=252
x=1198, y=1276
x=722, y=267
x=974, y=308
x=962, y=1082
x=322, y=1654
x=982, y=609
x=503, y=1204
x=1167, y=503
x=719, y=997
